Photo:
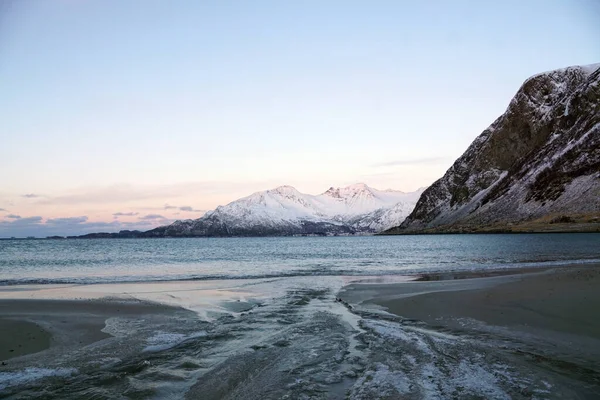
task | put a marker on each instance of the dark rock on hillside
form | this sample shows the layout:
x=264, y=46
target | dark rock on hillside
x=538, y=162
x=215, y=227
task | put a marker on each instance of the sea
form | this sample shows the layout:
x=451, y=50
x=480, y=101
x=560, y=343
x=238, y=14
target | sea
x=88, y=261
x=262, y=319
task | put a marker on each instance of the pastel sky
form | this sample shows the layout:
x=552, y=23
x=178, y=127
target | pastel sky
x=119, y=114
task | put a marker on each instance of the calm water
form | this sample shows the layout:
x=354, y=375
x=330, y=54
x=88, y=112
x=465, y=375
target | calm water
x=117, y=260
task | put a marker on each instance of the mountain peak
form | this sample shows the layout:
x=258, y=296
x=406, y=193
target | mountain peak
x=348, y=190
x=585, y=70
x=358, y=186
x=355, y=209
x=284, y=190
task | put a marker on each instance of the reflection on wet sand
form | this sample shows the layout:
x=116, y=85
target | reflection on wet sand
x=322, y=337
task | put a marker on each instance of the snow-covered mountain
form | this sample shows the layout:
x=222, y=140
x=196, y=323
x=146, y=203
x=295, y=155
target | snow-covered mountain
x=536, y=168
x=355, y=209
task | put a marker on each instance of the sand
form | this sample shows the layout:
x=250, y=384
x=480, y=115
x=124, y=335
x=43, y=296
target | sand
x=524, y=334
x=31, y=326
x=558, y=307
x=18, y=337
x=561, y=300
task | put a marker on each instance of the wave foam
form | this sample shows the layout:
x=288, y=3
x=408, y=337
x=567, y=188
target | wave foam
x=28, y=375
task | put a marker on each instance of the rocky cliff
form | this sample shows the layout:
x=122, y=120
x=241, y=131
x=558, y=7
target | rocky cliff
x=537, y=167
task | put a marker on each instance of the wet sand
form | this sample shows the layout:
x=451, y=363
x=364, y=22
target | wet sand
x=557, y=306
x=561, y=300
x=18, y=337
x=496, y=336
x=31, y=326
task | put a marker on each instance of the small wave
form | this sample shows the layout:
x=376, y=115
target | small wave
x=167, y=340
x=320, y=271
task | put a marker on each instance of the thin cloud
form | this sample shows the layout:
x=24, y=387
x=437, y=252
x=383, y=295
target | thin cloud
x=3, y=210
x=67, y=221
x=125, y=214
x=73, y=226
x=22, y=221
x=152, y=217
x=189, y=209
x=13, y=216
x=417, y=161
x=31, y=195
x=29, y=220
x=105, y=195
x=181, y=208
x=118, y=194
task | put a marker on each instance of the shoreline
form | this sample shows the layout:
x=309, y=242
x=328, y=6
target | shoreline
x=506, y=327
x=33, y=284
x=32, y=326
x=553, y=310
x=34, y=318
x=481, y=232
x=584, y=228
x=527, y=228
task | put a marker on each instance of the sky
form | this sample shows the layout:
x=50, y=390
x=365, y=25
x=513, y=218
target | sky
x=125, y=114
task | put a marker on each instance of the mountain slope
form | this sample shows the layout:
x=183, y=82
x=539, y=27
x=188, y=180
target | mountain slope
x=537, y=164
x=354, y=209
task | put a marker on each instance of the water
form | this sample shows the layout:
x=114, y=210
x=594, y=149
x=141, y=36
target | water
x=261, y=320
x=138, y=260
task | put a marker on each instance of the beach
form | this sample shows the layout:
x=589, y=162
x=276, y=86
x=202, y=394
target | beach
x=561, y=299
x=47, y=341
x=19, y=337
x=548, y=318
x=29, y=326
x=523, y=333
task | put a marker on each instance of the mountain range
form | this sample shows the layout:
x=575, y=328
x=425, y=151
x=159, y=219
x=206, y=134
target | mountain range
x=284, y=211
x=536, y=168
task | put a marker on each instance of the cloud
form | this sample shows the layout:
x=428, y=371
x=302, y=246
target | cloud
x=3, y=210
x=71, y=226
x=67, y=221
x=151, y=217
x=125, y=214
x=13, y=216
x=31, y=195
x=182, y=208
x=105, y=195
x=119, y=194
x=189, y=209
x=29, y=220
x=417, y=161
x=19, y=222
